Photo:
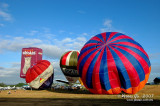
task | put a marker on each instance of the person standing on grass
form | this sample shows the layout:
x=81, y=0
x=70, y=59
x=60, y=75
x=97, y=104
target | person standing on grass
x=9, y=92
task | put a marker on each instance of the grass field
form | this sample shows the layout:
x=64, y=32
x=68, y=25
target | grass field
x=150, y=94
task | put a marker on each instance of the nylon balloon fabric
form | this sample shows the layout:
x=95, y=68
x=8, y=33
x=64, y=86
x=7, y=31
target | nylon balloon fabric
x=40, y=75
x=112, y=62
x=68, y=64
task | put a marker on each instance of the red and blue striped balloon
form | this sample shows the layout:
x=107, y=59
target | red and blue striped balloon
x=112, y=62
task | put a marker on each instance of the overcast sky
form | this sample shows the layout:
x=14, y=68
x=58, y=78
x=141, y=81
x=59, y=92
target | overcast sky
x=57, y=26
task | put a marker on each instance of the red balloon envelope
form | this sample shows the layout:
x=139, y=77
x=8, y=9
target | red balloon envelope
x=40, y=76
x=112, y=62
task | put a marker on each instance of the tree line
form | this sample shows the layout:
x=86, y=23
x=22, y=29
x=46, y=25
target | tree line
x=16, y=85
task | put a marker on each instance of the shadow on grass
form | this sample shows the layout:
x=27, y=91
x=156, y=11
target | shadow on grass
x=70, y=91
x=72, y=102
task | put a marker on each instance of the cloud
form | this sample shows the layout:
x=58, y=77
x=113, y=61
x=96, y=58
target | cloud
x=1, y=68
x=70, y=43
x=7, y=72
x=17, y=43
x=4, y=12
x=11, y=75
x=16, y=64
x=4, y=5
x=44, y=33
x=61, y=31
x=33, y=32
x=155, y=72
x=108, y=27
x=84, y=34
x=52, y=49
x=1, y=25
x=107, y=23
x=57, y=71
x=71, y=33
x=66, y=40
x=154, y=55
x=61, y=45
x=6, y=16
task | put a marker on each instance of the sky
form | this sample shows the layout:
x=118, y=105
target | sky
x=58, y=26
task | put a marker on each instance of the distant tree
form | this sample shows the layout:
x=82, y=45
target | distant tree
x=157, y=80
x=3, y=85
x=20, y=84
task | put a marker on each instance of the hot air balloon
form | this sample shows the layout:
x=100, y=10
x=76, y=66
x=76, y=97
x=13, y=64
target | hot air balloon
x=40, y=75
x=112, y=62
x=68, y=64
x=29, y=56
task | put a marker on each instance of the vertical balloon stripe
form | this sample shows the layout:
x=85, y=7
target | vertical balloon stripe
x=39, y=70
x=139, y=52
x=124, y=78
x=135, y=63
x=85, y=63
x=104, y=37
x=95, y=77
x=130, y=68
x=77, y=57
x=143, y=63
x=63, y=58
x=80, y=62
x=83, y=54
x=42, y=66
x=73, y=59
x=111, y=35
x=90, y=70
x=104, y=79
x=107, y=34
x=68, y=58
x=115, y=80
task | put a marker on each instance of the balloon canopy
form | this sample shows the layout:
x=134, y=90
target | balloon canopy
x=112, y=62
x=29, y=57
x=68, y=64
x=40, y=76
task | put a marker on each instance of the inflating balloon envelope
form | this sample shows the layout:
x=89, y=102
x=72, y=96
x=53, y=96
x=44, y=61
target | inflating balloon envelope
x=68, y=64
x=40, y=76
x=112, y=62
x=29, y=57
